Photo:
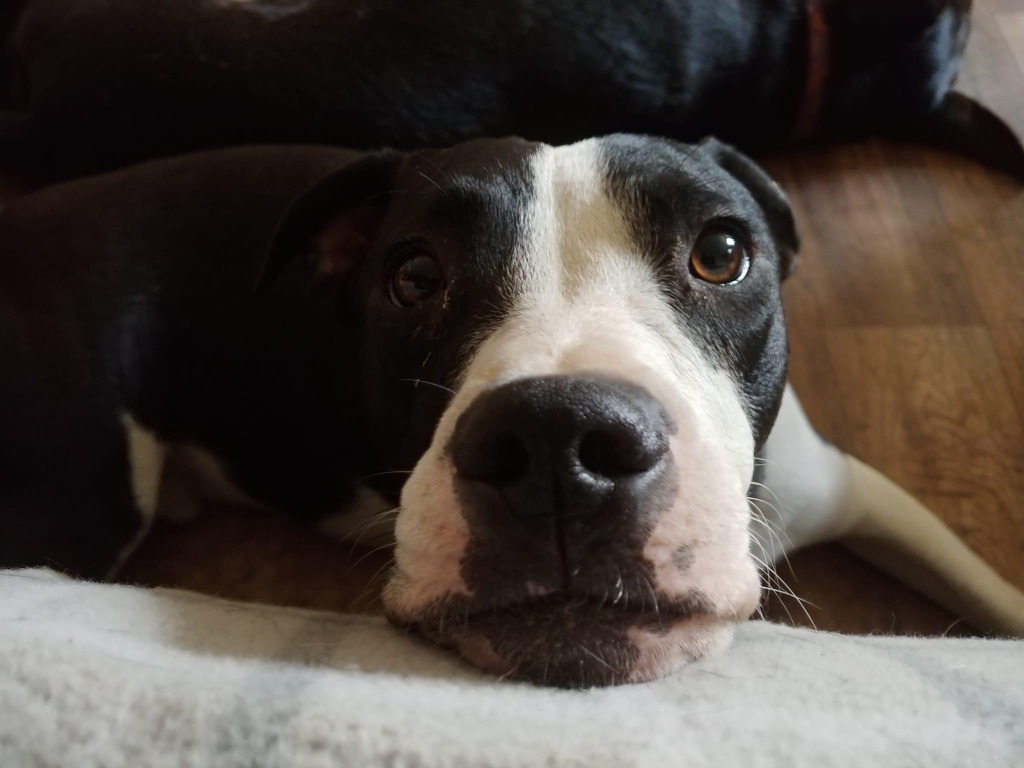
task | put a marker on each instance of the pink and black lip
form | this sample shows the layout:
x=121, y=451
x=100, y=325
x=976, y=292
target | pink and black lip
x=563, y=639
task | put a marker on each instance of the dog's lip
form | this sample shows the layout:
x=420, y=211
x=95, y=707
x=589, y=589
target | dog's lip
x=467, y=612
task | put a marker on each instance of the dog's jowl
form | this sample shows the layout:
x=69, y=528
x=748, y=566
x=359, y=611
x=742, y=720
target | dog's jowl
x=576, y=351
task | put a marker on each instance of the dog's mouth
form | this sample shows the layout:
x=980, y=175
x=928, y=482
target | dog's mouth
x=565, y=608
x=574, y=640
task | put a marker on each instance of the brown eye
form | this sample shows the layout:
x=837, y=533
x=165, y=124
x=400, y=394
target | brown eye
x=415, y=279
x=719, y=257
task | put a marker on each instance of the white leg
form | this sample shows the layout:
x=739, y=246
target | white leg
x=146, y=455
x=821, y=494
x=898, y=534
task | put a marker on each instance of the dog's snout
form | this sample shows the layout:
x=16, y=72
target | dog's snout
x=562, y=446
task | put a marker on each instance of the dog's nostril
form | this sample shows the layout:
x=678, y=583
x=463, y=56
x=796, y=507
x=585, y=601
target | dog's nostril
x=617, y=453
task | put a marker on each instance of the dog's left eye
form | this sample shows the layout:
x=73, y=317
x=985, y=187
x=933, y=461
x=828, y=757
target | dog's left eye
x=415, y=279
x=719, y=256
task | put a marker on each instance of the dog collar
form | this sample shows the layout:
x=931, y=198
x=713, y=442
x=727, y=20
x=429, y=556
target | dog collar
x=817, y=70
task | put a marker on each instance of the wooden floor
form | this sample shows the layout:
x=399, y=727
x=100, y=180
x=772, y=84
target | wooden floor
x=907, y=329
x=907, y=319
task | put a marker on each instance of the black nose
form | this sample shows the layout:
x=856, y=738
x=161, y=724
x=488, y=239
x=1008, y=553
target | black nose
x=562, y=447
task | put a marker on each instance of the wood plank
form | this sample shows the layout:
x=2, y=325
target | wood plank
x=862, y=210
x=930, y=405
x=249, y=554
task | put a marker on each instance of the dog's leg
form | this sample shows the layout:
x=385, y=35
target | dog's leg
x=146, y=459
x=895, y=532
x=812, y=492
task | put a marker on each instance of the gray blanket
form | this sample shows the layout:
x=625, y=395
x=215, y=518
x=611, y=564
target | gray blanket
x=97, y=675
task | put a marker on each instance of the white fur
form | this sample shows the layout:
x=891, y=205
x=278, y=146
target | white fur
x=586, y=301
x=146, y=456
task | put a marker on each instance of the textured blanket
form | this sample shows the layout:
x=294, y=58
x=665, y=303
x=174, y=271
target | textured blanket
x=97, y=675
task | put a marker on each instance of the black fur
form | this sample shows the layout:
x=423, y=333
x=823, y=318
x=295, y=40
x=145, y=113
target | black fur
x=680, y=188
x=134, y=295
x=103, y=84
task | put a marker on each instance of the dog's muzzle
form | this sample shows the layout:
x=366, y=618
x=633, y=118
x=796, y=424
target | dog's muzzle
x=551, y=566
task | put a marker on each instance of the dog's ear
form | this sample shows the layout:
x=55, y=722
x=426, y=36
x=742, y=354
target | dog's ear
x=768, y=195
x=962, y=125
x=332, y=224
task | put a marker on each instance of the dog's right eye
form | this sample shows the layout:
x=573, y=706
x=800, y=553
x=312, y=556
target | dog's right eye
x=719, y=257
x=415, y=279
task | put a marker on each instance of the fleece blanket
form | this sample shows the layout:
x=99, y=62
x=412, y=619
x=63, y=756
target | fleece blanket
x=100, y=675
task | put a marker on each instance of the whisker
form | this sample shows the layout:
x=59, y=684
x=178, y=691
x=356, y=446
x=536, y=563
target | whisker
x=417, y=382
x=371, y=552
x=388, y=472
x=358, y=533
x=774, y=530
x=596, y=658
x=762, y=485
x=776, y=584
x=787, y=593
x=432, y=181
x=370, y=584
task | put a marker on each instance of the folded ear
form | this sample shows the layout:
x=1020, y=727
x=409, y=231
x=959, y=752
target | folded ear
x=332, y=224
x=768, y=195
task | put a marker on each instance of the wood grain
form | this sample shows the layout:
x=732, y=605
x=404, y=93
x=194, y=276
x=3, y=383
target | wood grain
x=248, y=554
x=907, y=330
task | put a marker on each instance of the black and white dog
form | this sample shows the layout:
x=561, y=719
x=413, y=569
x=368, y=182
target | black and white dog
x=94, y=85
x=578, y=352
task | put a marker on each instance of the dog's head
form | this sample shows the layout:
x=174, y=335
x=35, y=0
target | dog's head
x=578, y=350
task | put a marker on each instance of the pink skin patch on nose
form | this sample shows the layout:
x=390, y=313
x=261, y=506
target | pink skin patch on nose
x=663, y=653
x=701, y=544
x=432, y=536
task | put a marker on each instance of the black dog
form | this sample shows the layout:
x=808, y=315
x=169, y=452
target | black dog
x=95, y=85
x=577, y=351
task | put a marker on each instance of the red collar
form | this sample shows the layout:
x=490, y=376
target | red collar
x=818, y=55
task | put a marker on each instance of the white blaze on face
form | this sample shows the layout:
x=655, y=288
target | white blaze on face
x=587, y=300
